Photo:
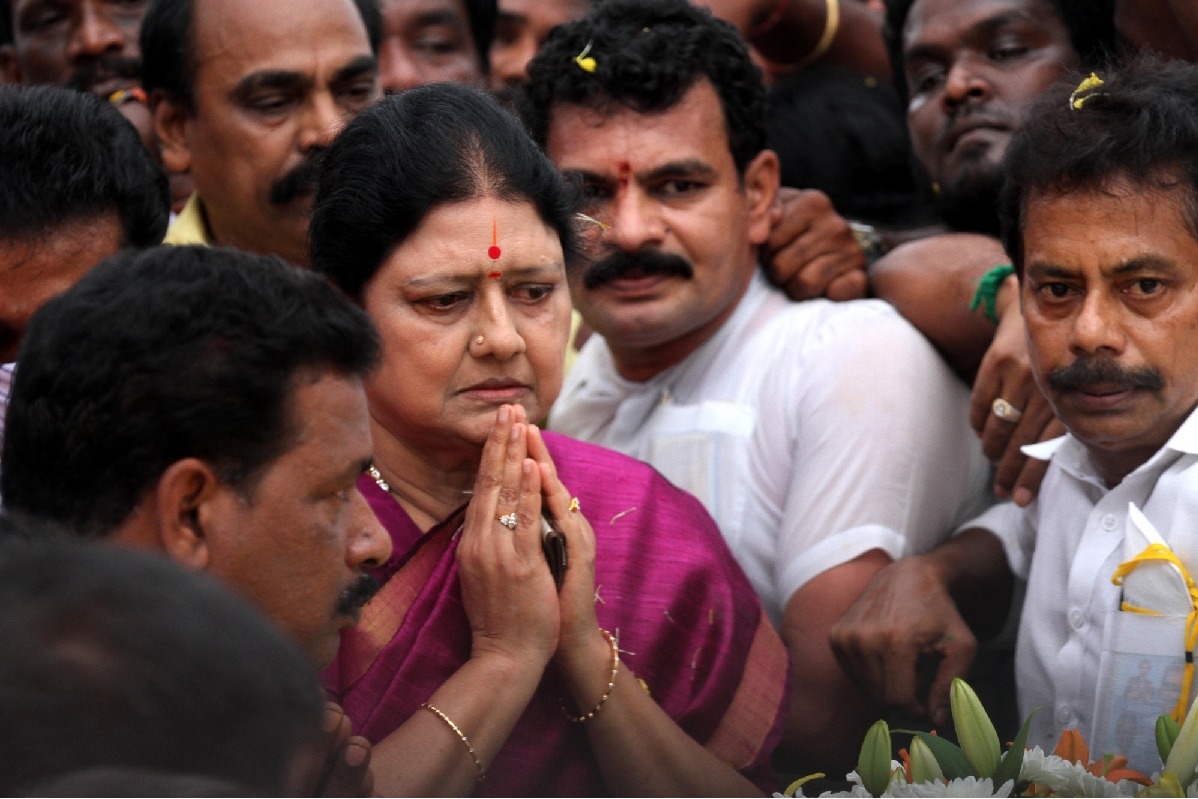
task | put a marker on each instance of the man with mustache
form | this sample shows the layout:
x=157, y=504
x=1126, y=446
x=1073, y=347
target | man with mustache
x=245, y=97
x=968, y=70
x=87, y=45
x=1098, y=217
x=803, y=427
x=207, y=404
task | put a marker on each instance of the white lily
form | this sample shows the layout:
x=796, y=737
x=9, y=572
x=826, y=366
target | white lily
x=1183, y=757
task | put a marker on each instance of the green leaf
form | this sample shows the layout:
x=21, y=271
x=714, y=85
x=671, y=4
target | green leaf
x=950, y=757
x=1167, y=731
x=1012, y=762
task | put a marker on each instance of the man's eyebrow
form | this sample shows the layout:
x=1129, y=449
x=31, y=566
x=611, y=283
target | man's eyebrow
x=362, y=65
x=690, y=167
x=511, y=17
x=1044, y=269
x=440, y=16
x=1141, y=263
x=981, y=29
x=1130, y=266
x=270, y=79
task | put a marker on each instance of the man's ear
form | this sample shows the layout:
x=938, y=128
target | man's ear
x=185, y=498
x=10, y=70
x=763, y=177
x=170, y=128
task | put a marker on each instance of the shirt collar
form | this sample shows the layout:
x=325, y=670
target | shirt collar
x=1072, y=456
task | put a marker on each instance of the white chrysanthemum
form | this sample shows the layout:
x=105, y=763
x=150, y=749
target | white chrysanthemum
x=968, y=787
x=1070, y=779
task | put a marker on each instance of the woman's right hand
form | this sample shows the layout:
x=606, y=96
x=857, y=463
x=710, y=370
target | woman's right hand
x=507, y=589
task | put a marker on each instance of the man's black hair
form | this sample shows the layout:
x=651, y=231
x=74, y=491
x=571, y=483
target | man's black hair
x=1091, y=26
x=416, y=151
x=6, y=26
x=481, y=16
x=68, y=157
x=114, y=657
x=646, y=55
x=167, y=43
x=846, y=135
x=165, y=354
x=1140, y=128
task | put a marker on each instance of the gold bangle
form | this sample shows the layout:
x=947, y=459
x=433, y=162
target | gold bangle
x=611, y=684
x=478, y=764
x=831, y=26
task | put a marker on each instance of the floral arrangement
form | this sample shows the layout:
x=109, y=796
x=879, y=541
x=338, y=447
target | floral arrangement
x=976, y=766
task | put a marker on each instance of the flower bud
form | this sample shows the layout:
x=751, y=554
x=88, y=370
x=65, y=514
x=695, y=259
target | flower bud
x=874, y=764
x=924, y=766
x=975, y=731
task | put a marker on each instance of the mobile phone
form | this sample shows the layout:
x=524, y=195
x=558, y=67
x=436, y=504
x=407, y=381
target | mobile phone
x=553, y=542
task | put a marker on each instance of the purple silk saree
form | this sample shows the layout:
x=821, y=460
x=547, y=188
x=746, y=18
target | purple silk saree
x=689, y=626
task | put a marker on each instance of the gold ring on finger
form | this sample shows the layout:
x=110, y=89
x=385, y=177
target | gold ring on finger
x=1006, y=411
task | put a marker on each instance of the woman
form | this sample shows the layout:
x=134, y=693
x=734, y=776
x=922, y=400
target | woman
x=439, y=214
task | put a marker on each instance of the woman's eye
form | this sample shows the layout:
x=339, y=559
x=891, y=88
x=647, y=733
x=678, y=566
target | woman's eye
x=444, y=302
x=534, y=292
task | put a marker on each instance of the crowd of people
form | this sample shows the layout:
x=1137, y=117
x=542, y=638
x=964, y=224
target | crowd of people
x=437, y=397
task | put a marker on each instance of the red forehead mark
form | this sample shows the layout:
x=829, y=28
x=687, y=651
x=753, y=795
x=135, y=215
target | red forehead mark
x=494, y=252
x=495, y=275
x=624, y=170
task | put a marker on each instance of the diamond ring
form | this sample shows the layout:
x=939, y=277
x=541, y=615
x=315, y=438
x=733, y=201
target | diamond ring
x=508, y=520
x=1006, y=411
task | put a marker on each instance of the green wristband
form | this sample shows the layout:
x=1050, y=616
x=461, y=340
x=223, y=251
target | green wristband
x=987, y=294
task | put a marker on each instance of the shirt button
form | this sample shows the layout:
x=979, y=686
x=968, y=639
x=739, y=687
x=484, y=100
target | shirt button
x=1064, y=714
x=1109, y=522
x=1077, y=619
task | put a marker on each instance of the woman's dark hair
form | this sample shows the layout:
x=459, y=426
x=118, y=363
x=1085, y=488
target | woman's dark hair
x=413, y=152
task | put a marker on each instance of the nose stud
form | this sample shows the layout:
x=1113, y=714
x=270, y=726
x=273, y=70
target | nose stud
x=479, y=340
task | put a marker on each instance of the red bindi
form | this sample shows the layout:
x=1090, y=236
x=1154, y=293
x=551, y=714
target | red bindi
x=493, y=252
x=495, y=275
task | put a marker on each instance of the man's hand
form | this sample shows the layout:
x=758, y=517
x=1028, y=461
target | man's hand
x=811, y=251
x=905, y=613
x=1006, y=373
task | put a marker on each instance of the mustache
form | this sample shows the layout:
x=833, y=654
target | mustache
x=299, y=181
x=103, y=68
x=355, y=597
x=640, y=263
x=1104, y=372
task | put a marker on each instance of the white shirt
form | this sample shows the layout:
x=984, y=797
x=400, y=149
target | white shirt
x=1068, y=568
x=813, y=432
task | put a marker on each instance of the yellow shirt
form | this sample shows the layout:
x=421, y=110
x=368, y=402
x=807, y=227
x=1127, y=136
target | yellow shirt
x=189, y=226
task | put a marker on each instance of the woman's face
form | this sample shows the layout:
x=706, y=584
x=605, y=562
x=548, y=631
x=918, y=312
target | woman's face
x=474, y=312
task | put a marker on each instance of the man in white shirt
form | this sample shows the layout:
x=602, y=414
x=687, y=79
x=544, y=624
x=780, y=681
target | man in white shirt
x=825, y=439
x=1101, y=185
